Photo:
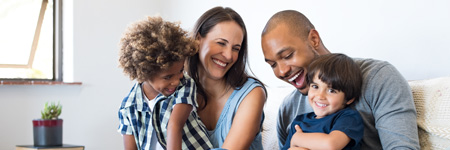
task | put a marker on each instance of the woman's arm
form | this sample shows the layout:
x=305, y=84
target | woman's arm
x=247, y=121
x=180, y=114
x=335, y=140
x=129, y=142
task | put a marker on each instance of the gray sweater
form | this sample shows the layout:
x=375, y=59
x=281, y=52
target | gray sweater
x=386, y=106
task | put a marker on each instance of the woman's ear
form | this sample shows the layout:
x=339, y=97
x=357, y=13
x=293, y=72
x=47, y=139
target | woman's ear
x=350, y=101
x=198, y=36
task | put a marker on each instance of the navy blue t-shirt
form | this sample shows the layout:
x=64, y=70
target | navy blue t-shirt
x=346, y=120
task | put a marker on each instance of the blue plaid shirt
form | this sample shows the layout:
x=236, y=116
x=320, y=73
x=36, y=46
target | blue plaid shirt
x=136, y=117
x=195, y=135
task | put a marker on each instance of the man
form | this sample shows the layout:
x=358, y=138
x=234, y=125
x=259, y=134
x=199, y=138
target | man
x=290, y=43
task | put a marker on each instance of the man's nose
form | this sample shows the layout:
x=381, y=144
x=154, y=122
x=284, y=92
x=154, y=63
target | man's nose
x=283, y=70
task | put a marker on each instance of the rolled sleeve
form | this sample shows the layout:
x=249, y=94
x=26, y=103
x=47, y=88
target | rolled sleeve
x=125, y=125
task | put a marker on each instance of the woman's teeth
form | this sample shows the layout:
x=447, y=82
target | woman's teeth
x=219, y=63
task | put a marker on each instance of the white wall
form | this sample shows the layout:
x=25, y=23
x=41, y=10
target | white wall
x=412, y=35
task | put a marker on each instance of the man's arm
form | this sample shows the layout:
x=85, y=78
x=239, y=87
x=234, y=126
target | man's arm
x=180, y=114
x=282, y=132
x=392, y=105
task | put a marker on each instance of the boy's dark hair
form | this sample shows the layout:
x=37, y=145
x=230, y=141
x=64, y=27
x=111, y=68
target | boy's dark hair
x=151, y=45
x=339, y=71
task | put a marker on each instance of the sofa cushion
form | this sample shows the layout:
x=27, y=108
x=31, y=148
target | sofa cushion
x=432, y=100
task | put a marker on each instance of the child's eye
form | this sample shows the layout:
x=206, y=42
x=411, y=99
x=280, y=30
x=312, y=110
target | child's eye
x=314, y=86
x=332, y=91
x=167, y=77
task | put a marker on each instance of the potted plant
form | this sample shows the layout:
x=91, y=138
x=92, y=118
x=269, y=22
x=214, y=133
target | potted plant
x=47, y=131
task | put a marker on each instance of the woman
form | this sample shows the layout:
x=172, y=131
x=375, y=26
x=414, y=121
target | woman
x=230, y=101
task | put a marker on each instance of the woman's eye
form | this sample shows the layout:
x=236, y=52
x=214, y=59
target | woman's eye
x=221, y=43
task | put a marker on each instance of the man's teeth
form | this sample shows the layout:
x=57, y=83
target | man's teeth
x=219, y=63
x=294, y=77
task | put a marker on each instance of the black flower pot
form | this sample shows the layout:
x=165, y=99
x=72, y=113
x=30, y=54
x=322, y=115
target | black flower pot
x=47, y=132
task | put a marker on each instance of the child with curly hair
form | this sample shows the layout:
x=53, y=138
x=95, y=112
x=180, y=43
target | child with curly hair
x=160, y=110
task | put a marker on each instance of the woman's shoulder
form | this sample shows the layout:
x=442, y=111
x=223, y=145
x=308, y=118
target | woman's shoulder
x=252, y=89
x=250, y=85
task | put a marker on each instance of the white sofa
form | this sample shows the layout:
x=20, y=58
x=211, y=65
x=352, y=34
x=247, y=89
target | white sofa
x=431, y=98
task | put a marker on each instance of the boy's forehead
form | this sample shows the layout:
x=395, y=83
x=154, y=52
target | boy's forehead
x=173, y=68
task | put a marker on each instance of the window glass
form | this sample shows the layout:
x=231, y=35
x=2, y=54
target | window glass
x=26, y=39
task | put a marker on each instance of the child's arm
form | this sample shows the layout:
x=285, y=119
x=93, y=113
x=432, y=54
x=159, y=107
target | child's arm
x=129, y=142
x=335, y=140
x=180, y=114
x=297, y=148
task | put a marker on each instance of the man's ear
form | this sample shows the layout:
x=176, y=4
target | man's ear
x=314, y=38
x=350, y=101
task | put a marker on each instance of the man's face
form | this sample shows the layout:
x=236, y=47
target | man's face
x=288, y=55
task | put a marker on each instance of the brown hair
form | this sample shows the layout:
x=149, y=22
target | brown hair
x=340, y=72
x=237, y=75
x=151, y=45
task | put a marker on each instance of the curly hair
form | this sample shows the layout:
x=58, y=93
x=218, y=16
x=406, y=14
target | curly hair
x=151, y=45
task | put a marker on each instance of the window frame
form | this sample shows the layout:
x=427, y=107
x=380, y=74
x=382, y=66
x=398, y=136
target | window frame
x=57, y=55
x=57, y=47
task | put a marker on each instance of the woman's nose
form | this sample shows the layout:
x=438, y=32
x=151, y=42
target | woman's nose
x=228, y=53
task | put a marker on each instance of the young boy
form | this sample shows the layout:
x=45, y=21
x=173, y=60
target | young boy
x=160, y=110
x=334, y=82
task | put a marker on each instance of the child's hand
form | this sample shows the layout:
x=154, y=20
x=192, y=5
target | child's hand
x=298, y=129
x=298, y=132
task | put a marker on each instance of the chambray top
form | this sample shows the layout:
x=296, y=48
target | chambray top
x=223, y=126
x=195, y=136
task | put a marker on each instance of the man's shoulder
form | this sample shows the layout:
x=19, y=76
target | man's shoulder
x=368, y=64
x=371, y=68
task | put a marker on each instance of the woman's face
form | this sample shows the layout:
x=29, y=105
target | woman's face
x=219, y=49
